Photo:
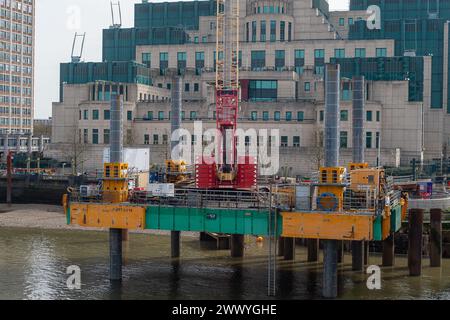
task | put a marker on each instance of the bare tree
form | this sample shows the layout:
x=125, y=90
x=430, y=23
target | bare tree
x=318, y=154
x=75, y=152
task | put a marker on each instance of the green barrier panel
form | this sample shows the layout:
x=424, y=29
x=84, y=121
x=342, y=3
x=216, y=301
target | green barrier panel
x=228, y=221
x=396, y=218
x=377, y=229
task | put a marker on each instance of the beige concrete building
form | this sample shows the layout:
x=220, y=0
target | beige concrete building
x=284, y=47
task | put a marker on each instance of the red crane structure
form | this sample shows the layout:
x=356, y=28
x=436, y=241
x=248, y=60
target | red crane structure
x=227, y=169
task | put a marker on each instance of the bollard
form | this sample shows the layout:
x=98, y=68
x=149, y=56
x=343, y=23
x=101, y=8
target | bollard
x=289, y=249
x=389, y=252
x=175, y=238
x=115, y=254
x=237, y=246
x=313, y=250
x=357, y=255
x=329, y=289
x=435, y=238
x=281, y=247
x=415, y=236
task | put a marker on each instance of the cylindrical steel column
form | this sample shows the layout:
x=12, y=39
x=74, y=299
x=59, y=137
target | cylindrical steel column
x=237, y=246
x=436, y=238
x=177, y=105
x=289, y=249
x=357, y=255
x=116, y=156
x=332, y=102
x=389, y=251
x=415, y=238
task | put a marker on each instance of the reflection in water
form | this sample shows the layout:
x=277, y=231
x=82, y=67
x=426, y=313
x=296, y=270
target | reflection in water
x=33, y=265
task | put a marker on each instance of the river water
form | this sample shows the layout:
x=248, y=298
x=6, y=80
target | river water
x=33, y=266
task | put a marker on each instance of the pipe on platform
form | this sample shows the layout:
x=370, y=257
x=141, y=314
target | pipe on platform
x=435, y=238
x=332, y=117
x=289, y=249
x=359, y=105
x=313, y=250
x=415, y=238
x=237, y=246
x=115, y=254
x=389, y=251
x=116, y=156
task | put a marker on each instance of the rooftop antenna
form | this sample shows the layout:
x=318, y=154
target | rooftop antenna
x=113, y=16
x=76, y=59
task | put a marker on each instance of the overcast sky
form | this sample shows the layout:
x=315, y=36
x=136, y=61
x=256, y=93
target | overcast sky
x=56, y=24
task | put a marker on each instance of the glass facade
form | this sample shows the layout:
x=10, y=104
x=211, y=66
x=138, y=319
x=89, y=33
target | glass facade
x=263, y=90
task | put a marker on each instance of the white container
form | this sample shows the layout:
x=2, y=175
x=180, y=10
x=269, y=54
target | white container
x=162, y=189
x=303, y=197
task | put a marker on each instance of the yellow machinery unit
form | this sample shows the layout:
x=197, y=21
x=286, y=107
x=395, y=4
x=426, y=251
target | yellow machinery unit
x=367, y=179
x=176, y=171
x=355, y=166
x=115, y=182
x=331, y=189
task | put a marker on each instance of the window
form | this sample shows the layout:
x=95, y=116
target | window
x=341, y=22
x=290, y=31
x=196, y=39
x=86, y=114
x=165, y=139
x=266, y=115
x=253, y=31
x=163, y=62
x=350, y=21
x=299, y=61
x=94, y=136
x=263, y=31
x=277, y=116
x=322, y=116
x=300, y=116
x=378, y=116
x=282, y=31
x=204, y=39
x=280, y=60
x=196, y=87
x=381, y=52
x=369, y=140
x=296, y=143
x=187, y=87
x=147, y=59
x=106, y=115
x=130, y=115
x=263, y=90
x=360, y=53
x=95, y=115
x=344, y=115
x=150, y=115
x=369, y=116
x=193, y=115
x=155, y=139
x=85, y=136
x=181, y=59
x=319, y=61
x=344, y=139
x=273, y=31
x=106, y=133
x=339, y=53
x=307, y=86
x=199, y=62
x=146, y=139
x=284, y=141
x=289, y=116
x=258, y=60
x=254, y=116
x=161, y=115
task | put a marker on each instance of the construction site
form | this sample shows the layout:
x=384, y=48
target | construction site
x=345, y=212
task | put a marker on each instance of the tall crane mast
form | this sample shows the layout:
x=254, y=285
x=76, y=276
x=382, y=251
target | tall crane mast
x=228, y=171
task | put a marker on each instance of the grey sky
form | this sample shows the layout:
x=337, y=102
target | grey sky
x=56, y=23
